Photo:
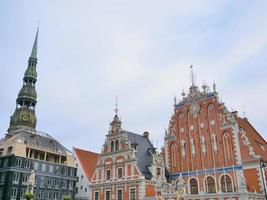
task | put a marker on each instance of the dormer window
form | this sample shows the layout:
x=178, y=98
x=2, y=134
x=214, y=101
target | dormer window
x=134, y=146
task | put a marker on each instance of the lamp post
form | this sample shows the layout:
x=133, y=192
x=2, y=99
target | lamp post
x=263, y=165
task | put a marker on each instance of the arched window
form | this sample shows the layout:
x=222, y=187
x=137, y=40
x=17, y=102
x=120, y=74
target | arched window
x=173, y=155
x=210, y=185
x=226, y=184
x=193, y=186
x=117, y=145
x=227, y=147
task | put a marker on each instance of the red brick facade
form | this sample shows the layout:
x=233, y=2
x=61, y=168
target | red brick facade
x=213, y=151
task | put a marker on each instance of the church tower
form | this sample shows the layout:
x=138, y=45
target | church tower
x=24, y=115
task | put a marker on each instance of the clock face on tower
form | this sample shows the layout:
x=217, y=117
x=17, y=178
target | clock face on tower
x=194, y=109
x=25, y=117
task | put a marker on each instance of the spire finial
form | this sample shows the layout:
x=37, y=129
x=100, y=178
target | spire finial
x=34, y=48
x=192, y=76
x=214, y=86
x=116, y=106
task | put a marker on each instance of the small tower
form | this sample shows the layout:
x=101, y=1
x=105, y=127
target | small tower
x=24, y=115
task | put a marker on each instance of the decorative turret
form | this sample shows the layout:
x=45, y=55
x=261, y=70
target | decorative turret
x=24, y=115
x=116, y=123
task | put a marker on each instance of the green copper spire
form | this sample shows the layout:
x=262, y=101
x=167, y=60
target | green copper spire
x=34, y=48
x=24, y=115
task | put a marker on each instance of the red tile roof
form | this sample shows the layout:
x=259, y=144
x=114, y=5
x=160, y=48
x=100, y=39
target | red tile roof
x=88, y=161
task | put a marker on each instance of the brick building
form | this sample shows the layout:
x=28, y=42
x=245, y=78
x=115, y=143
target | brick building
x=211, y=152
x=129, y=167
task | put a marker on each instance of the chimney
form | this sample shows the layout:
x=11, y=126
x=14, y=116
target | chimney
x=146, y=134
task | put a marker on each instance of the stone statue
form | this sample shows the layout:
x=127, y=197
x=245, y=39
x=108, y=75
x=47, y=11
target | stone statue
x=193, y=148
x=31, y=182
x=203, y=145
x=183, y=148
x=214, y=142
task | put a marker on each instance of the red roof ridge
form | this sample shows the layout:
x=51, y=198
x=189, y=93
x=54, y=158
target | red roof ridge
x=88, y=160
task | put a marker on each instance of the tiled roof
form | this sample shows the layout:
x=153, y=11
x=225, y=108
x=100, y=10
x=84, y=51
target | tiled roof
x=88, y=161
x=144, y=158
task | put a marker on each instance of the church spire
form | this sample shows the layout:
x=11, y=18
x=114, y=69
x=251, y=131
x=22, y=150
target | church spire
x=24, y=115
x=34, y=48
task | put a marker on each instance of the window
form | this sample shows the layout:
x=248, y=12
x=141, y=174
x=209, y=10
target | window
x=117, y=145
x=108, y=174
x=107, y=195
x=112, y=146
x=9, y=150
x=55, y=195
x=85, y=189
x=14, y=192
x=25, y=178
x=64, y=184
x=173, y=156
x=5, y=163
x=71, y=185
x=210, y=185
x=96, y=196
x=35, y=165
x=132, y=194
x=16, y=177
x=51, y=168
x=1, y=151
x=119, y=195
x=227, y=147
x=193, y=186
x=3, y=177
x=42, y=181
x=22, y=192
x=27, y=164
x=158, y=172
x=18, y=162
x=81, y=176
x=119, y=172
x=226, y=184
x=43, y=167
x=56, y=183
x=81, y=187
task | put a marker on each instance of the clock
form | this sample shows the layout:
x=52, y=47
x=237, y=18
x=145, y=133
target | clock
x=25, y=117
x=194, y=109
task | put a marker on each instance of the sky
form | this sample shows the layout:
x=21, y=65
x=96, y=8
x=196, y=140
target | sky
x=89, y=52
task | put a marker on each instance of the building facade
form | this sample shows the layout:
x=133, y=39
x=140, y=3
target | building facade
x=25, y=151
x=85, y=162
x=212, y=152
x=128, y=168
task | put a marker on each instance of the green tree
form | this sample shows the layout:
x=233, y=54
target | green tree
x=67, y=198
x=28, y=196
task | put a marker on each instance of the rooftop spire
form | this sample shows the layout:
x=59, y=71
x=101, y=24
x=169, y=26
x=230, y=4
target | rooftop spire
x=34, y=48
x=24, y=115
x=192, y=75
x=116, y=106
